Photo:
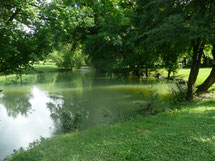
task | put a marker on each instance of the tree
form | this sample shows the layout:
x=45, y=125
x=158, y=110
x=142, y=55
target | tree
x=67, y=58
x=171, y=64
x=99, y=26
x=22, y=35
x=167, y=25
x=210, y=79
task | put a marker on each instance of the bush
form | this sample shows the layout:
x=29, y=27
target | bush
x=178, y=94
x=70, y=122
x=68, y=58
x=151, y=106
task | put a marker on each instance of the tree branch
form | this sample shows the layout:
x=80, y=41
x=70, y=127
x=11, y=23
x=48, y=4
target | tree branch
x=13, y=15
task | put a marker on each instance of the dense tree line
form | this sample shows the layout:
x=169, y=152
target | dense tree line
x=121, y=36
x=23, y=35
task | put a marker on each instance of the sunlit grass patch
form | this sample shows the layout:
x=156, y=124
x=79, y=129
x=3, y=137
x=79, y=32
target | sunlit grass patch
x=45, y=67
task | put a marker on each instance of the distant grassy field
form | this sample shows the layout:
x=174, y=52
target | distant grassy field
x=203, y=74
x=184, y=74
x=46, y=67
x=38, y=68
x=184, y=135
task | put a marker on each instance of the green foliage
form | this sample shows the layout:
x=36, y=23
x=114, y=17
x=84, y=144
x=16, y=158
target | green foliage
x=23, y=41
x=172, y=28
x=101, y=27
x=178, y=94
x=104, y=50
x=151, y=105
x=120, y=36
x=67, y=58
x=70, y=122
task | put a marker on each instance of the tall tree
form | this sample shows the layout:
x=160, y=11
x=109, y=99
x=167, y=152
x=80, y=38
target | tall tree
x=22, y=35
x=176, y=25
x=99, y=26
x=210, y=79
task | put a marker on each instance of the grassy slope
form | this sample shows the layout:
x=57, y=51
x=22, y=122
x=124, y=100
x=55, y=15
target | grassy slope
x=186, y=134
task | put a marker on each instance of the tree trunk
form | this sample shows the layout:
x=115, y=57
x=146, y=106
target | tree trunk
x=147, y=72
x=169, y=74
x=185, y=61
x=20, y=77
x=210, y=79
x=196, y=58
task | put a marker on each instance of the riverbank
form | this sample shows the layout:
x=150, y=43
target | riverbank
x=185, y=134
x=51, y=67
x=27, y=75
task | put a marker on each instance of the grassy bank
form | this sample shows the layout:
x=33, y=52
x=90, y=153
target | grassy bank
x=38, y=68
x=184, y=74
x=186, y=134
x=46, y=67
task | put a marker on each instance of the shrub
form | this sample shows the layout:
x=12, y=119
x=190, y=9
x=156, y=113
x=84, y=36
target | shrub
x=178, y=94
x=151, y=106
x=70, y=122
x=68, y=58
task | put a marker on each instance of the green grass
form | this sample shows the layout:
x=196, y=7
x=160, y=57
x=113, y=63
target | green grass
x=186, y=134
x=38, y=68
x=203, y=74
x=47, y=67
x=184, y=74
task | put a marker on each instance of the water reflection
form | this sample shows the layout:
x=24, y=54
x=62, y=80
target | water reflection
x=16, y=101
x=41, y=108
x=96, y=105
x=25, y=125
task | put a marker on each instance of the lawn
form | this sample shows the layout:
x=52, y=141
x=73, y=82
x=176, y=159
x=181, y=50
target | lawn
x=46, y=67
x=38, y=68
x=184, y=74
x=203, y=74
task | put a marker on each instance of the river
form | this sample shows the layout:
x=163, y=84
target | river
x=35, y=108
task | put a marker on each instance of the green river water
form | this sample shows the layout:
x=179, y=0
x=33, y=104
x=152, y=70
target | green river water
x=33, y=109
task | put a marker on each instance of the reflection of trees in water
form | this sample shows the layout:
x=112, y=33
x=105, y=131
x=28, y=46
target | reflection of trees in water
x=47, y=77
x=90, y=105
x=16, y=103
x=72, y=96
x=67, y=107
x=75, y=79
x=77, y=97
x=66, y=115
